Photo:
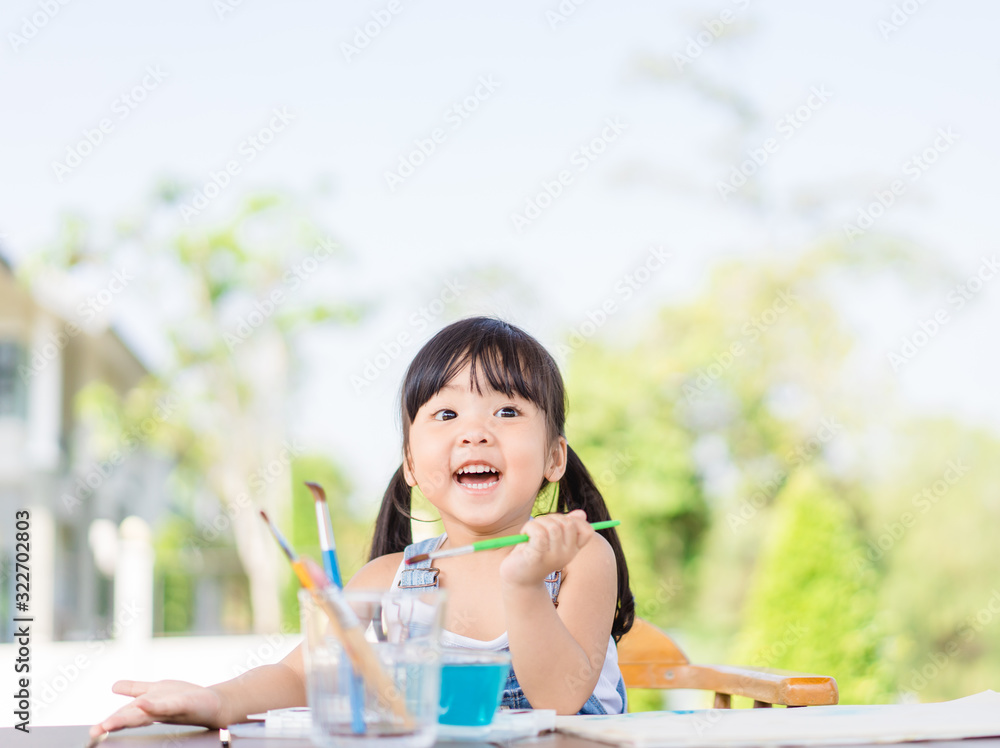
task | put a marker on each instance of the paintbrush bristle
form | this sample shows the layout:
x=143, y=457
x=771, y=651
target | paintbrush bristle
x=418, y=558
x=317, y=490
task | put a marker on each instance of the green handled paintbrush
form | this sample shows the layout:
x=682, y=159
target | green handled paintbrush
x=485, y=545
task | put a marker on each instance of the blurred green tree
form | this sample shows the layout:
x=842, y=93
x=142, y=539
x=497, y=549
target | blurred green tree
x=640, y=458
x=809, y=607
x=226, y=303
x=756, y=379
x=693, y=424
x=928, y=536
x=703, y=429
x=351, y=533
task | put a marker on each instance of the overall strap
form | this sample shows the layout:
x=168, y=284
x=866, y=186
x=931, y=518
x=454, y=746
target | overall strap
x=552, y=583
x=422, y=574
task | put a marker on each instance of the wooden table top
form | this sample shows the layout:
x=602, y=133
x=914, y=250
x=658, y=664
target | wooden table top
x=178, y=736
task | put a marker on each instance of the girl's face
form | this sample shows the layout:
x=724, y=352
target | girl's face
x=480, y=458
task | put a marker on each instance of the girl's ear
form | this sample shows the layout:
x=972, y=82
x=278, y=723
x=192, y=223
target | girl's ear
x=555, y=467
x=407, y=472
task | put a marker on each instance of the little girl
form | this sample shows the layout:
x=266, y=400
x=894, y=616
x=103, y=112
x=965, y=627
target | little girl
x=483, y=414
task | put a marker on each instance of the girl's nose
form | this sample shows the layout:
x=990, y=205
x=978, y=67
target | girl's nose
x=476, y=436
x=476, y=433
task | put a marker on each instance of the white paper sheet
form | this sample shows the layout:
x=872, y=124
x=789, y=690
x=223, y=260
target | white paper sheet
x=508, y=724
x=973, y=716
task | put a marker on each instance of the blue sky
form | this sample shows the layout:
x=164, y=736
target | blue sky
x=552, y=90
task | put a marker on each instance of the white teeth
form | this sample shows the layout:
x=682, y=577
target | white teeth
x=477, y=469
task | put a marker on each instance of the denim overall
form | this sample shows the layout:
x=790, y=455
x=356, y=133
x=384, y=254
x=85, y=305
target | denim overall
x=422, y=574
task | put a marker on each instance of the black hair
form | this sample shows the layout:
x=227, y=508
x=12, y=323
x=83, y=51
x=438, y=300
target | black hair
x=511, y=362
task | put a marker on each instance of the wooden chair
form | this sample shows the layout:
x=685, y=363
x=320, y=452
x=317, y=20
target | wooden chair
x=648, y=658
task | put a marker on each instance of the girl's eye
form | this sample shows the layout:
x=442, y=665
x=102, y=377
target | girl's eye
x=507, y=411
x=444, y=415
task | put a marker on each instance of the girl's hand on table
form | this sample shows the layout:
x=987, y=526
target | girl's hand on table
x=173, y=701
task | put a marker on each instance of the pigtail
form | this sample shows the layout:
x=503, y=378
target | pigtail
x=577, y=490
x=392, y=528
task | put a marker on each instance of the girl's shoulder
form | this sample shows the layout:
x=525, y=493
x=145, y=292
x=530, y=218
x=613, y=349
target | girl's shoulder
x=377, y=574
x=597, y=554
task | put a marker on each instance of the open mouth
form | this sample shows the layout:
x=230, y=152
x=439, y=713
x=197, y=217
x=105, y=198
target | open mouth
x=477, y=476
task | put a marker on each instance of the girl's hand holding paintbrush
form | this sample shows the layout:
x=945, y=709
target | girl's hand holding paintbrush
x=553, y=541
x=548, y=542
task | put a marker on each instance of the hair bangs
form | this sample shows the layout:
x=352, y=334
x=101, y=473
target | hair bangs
x=505, y=370
x=500, y=357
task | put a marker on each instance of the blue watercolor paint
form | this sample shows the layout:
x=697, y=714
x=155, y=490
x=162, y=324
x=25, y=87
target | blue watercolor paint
x=471, y=692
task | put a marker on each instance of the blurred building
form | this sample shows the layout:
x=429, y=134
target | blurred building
x=76, y=499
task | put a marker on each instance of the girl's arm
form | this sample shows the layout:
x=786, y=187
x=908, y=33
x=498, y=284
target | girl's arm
x=558, y=653
x=284, y=684
x=257, y=690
